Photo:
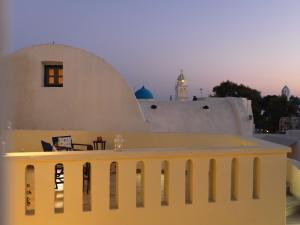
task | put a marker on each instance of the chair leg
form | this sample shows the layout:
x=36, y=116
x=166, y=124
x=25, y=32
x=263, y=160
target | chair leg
x=86, y=178
x=88, y=185
x=55, y=177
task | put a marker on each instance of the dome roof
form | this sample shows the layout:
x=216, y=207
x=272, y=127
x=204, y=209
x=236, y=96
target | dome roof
x=285, y=88
x=286, y=92
x=143, y=93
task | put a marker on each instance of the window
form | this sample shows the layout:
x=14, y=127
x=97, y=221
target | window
x=256, y=178
x=53, y=76
x=188, y=182
x=164, y=183
x=113, y=190
x=234, y=179
x=59, y=188
x=86, y=187
x=212, y=181
x=140, y=184
x=29, y=190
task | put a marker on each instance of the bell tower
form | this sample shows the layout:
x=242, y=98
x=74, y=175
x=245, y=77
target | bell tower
x=181, y=88
x=286, y=92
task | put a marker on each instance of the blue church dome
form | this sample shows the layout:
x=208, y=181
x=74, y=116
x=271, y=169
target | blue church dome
x=143, y=93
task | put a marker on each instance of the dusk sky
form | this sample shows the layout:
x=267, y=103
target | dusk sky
x=255, y=42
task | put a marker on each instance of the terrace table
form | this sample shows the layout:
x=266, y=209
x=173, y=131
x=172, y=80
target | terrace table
x=96, y=144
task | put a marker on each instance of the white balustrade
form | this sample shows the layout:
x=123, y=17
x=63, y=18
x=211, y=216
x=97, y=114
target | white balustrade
x=147, y=187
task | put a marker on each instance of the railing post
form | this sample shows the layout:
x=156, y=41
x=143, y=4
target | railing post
x=44, y=187
x=198, y=181
x=100, y=187
x=152, y=183
x=72, y=188
x=245, y=178
x=15, y=192
x=177, y=182
x=223, y=180
x=203, y=164
x=127, y=184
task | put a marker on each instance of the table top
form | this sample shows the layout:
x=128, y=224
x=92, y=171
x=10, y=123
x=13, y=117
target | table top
x=96, y=141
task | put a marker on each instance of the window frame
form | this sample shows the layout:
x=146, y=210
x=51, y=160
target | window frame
x=56, y=75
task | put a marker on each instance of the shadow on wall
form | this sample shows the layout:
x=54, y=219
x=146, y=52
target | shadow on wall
x=4, y=109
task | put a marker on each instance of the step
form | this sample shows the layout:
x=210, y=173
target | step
x=292, y=205
x=293, y=219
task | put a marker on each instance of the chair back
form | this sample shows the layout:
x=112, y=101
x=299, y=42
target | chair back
x=47, y=147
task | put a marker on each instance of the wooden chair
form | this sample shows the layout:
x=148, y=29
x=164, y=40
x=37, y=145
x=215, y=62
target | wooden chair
x=47, y=147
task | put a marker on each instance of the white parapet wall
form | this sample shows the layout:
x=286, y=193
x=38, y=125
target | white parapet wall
x=258, y=196
x=293, y=177
x=208, y=115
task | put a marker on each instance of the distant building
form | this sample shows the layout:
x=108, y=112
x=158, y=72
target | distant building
x=286, y=92
x=202, y=115
x=181, y=88
x=289, y=123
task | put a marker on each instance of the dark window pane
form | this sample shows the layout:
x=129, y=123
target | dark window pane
x=53, y=76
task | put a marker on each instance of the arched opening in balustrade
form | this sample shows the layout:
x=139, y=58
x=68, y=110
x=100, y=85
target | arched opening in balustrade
x=29, y=190
x=140, y=173
x=256, y=178
x=86, y=187
x=164, y=183
x=234, y=179
x=59, y=188
x=212, y=181
x=113, y=186
x=188, y=182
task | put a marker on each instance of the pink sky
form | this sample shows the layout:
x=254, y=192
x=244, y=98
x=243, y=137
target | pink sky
x=256, y=43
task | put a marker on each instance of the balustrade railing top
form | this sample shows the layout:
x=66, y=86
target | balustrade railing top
x=149, y=152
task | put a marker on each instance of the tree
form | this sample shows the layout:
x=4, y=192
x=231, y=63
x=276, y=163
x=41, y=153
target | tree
x=295, y=102
x=267, y=111
x=274, y=108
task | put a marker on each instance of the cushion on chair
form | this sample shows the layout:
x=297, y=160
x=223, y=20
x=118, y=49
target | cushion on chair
x=62, y=142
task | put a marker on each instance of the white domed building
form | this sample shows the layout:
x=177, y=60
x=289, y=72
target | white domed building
x=62, y=87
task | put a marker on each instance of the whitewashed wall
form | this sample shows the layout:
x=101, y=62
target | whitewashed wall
x=94, y=96
x=225, y=115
